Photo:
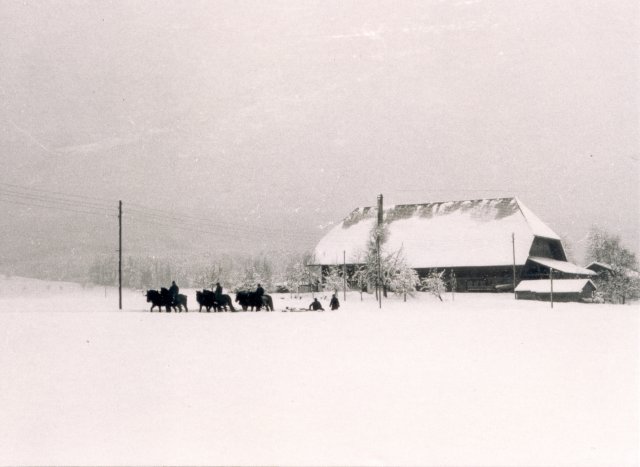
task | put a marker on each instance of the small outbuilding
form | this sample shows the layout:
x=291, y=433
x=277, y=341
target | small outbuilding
x=599, y=268
x=564, y=290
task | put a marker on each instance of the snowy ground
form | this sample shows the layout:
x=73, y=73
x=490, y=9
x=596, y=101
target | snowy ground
x=475, y=380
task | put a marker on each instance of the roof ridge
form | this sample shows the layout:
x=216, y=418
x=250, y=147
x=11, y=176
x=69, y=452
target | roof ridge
x=442, y=202
x=537, y=226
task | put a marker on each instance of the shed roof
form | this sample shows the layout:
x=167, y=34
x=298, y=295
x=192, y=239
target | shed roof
x=443, y=234
x=563, y=266
x=599, y=267
x=595, y=265
x=559, y=285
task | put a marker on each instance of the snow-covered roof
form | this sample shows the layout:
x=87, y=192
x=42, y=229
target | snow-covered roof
x=443, y=234
x=563, y=266
x=559, y=285
x=539, y=228
x=598, y=265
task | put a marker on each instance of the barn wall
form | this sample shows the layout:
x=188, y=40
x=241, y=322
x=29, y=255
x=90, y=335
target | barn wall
x=479, y=279
x=557, y=297
x=585, y=294
x=469, y=279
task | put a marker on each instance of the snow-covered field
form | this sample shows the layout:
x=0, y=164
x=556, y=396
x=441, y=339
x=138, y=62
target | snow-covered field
x=475, y=380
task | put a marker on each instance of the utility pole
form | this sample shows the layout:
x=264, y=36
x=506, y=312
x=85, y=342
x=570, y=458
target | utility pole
x=378, y=232
x=120, y=254
x=551, y=278
x=454, y=284
x=513, y=246
x=344, y=274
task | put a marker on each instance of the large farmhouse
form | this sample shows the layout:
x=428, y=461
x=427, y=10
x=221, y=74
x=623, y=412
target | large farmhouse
x=479, y=240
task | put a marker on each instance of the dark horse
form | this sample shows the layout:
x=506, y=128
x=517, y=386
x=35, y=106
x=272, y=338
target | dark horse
x=252, y=300
x=207, y=299
x=163, y=299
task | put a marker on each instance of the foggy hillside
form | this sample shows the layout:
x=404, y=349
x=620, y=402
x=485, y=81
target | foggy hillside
x=274, y=120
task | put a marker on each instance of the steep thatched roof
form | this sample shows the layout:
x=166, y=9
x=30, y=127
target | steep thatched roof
x=445, y=234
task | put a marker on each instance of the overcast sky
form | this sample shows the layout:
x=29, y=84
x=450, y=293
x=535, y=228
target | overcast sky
x=291, y=113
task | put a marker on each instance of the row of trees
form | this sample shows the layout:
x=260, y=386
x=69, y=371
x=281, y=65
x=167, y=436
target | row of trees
x=286, y=272
x=386, y=271
x=396, y=277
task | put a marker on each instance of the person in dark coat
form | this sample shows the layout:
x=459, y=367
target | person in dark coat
x=173, y=291
x=259, y=291
x=334, y=304
x=218, y=292
x=316, y=305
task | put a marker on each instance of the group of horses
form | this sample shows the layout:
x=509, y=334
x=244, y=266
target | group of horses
x=209, y=301
x=163, y=298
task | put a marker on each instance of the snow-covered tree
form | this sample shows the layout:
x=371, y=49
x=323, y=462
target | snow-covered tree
x=360, y=278
x=334, y=279
x=374, y=266
x=387, y=267
x=206, y=277
x=434, y=283
x=295, y=275
x=251, y=277
x=622, y=282
x=404, y=280
x=394, y=270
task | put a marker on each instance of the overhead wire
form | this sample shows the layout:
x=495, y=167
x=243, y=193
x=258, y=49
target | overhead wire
x=228, y=231
x=13, y=194
x=34, y=197
x=207, y=224
x=49, y=192
x=160, y=214
x=62, y=208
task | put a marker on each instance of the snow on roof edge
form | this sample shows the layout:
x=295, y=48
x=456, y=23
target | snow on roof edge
x=538, y=228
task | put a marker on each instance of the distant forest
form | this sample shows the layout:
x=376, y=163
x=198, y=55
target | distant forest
x=232, y=272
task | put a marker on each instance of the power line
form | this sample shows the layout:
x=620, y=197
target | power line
x=209, y=225
x=158, y=215
x=50, y=200
x=19, y=195
x=224, y=231
x=167, y=215
x=67, y=195
x=53, y=206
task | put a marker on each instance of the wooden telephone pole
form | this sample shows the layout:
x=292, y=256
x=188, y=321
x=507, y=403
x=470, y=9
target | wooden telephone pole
x=120, y=255
x=551, y=285
x=344, y=275
x=378, y=232
x=513, y=248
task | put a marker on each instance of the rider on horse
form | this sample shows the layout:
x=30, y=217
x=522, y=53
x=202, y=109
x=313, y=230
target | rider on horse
x=173, y=291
